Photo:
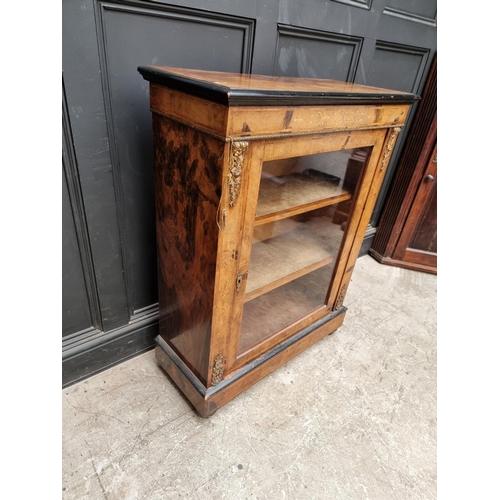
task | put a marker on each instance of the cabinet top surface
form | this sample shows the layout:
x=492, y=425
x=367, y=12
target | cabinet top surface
x=237, y=89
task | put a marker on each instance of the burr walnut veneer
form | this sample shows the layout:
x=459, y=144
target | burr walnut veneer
x=264, y=187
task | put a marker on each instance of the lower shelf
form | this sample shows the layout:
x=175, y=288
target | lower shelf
x=271, y=312
x=305, y=247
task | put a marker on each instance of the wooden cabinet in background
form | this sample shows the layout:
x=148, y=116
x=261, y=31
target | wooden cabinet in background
x=407, y=232
x=263, y=188
x=417, y=245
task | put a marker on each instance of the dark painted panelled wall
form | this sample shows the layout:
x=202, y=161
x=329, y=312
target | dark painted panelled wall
x=109, y=260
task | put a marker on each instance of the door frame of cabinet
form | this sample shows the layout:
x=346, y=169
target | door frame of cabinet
x=257, y=153
x=237, y=225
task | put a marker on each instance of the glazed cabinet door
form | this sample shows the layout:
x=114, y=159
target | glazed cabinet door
x=302, y=213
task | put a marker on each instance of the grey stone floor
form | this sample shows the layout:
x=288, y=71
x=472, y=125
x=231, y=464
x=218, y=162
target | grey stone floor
x=353, y=417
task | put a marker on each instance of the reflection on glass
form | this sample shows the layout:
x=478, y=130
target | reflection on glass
x=301, y=214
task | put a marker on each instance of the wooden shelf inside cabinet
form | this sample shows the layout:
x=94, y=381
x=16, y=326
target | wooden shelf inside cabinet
x=288, y=256
x=293, y=194
x=291, y=302
x=250, y=172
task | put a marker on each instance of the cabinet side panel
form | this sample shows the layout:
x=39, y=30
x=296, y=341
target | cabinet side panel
x=187, y=192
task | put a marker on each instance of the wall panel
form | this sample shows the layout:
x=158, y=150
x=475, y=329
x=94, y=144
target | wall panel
x=397, y=67
x=131, y=35
x=309, y=53
x=104, y=43
x=109, y=252
x=76, y=316
x=420, y=11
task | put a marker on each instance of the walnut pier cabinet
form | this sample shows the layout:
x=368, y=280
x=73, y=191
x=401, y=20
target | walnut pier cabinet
x=264, y=188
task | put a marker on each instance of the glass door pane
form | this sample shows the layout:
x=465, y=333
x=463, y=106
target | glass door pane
x=302, y=212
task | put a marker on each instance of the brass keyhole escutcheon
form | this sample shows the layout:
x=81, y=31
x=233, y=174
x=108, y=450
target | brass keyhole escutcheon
x=239, y=279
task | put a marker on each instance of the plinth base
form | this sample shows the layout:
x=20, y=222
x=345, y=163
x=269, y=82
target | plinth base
x=207, y=401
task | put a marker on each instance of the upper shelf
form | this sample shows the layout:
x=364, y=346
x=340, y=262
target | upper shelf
x=238, y=89
x=292, y=194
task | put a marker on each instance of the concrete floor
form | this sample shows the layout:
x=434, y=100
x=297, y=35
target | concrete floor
x=353, y=417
